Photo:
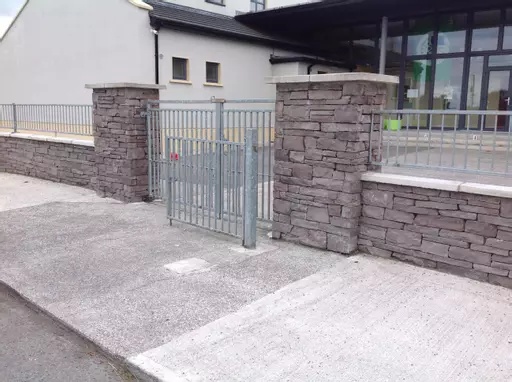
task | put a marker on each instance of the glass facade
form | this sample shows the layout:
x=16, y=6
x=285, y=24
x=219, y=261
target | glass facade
x=449, y=61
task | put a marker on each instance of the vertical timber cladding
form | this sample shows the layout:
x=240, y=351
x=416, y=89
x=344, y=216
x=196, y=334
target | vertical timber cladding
x=322, y=148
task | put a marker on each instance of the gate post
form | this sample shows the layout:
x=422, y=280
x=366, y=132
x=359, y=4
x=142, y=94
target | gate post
x=219, y=150
x=14, y=118
x=121, y=139
x=250, y=187
x=323, y=145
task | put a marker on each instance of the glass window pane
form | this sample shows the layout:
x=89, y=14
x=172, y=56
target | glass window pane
x=486, y=30
x=417, y=88
x=497, y=95
x=421, y=34
x=507, y=38
x=212, y=72
x=476, y=70
x=447, y=89
x=503, y=60
x=452, y=33
x=179, y=68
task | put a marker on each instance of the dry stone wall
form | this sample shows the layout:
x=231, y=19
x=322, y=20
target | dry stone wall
x=51, y=160
x=466, y=234
x=322, y=147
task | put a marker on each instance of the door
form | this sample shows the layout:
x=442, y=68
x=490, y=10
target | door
x=497, y=98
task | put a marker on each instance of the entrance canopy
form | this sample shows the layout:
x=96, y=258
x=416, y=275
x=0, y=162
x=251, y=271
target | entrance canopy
x=310, y=19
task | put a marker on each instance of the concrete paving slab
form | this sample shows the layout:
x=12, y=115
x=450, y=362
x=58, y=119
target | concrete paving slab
x=188, y=266
x=289, y=313
x=366, y=319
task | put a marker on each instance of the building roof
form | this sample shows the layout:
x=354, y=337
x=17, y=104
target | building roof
x=175, y=16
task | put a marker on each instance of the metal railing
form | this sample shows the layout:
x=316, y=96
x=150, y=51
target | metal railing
x=463, y=140
x=216, y=119
x=212, y=184
x=54, y=119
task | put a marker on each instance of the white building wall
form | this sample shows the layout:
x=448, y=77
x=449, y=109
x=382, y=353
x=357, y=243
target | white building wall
x=231, y=7
x=243, y=67
x=55, y=47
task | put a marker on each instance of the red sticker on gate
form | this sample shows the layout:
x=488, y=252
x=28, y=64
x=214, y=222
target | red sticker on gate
x=174, y=156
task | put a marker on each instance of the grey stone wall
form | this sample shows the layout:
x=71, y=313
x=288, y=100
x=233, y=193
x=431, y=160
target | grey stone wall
x=466, y=234
x=120, y=137
x=59, y=162
x=321, y=149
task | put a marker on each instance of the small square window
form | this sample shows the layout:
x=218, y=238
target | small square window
x=180, y=69
x=258, y=5
x=212, y=72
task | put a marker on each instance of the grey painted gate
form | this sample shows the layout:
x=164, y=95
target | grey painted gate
x=206, y=163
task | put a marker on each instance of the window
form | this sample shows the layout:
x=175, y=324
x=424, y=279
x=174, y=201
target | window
x=258, y=5
x=486, y=31
x=180, y=69
x=217, y=2
x=212, y=73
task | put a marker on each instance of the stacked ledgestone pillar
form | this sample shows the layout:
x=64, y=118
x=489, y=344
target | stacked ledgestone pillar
x=322, y=147
x=120, y=139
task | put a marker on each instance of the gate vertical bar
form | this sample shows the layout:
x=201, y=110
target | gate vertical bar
x=150, y=151
x=251, y=188
x=14, y=118
x=219, y=134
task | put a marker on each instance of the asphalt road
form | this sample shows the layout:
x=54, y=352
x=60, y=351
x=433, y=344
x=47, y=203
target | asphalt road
x=34, y=348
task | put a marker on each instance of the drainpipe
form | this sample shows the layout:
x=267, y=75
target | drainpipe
x=157, y=57
x=383, y=45
x=309, y=68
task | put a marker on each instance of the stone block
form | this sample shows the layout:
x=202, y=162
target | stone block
x=504, y=235
x=502, y=259
x=416, y=210
x=307, y=126
x=480, y=210
x=331, y=144
x=414, y=260
x=334, y=210
x=373, y=212
x=324, y=94
x=436, y=205
x=506, y=208
x=447, y=241
x=296, y=113
x=297, y=157
x=469, y=273
x=454, y=224
x=503, y=266
x=328, y=184
x=406, y=239
x=403, y=202
x=487, y=269
x=479, y=228
x=398, y=216
x=351, y=212
x=322, y=172
x=464, y=236
x=302, y=171
x=459, y=214
x=470, y=255
x=316, y=239
x=316, y=214
x=434, y=248
x=341, y=244
x=495, y=220
x=491, y=250
x=373, y=232
x=378, y=198
x=375, y=251
x=501, y=244
x=420, y=229
x=282, y=206
x=382, y=223
x=501, y=280
x=281, y=227
x=293, y=143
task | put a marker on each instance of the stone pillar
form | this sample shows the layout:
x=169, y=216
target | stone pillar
x=121, y=139
x=322, y=147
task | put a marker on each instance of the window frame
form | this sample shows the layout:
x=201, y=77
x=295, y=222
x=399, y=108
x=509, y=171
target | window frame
x=218, y=66
x=258, y=3
x=216, y=2
x=187, y=69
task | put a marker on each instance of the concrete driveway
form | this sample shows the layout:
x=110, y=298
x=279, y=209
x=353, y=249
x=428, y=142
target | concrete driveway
x=183, y=304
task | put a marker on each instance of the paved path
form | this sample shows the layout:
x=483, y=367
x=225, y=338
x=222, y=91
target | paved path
x=34, y=348
x=190, y=305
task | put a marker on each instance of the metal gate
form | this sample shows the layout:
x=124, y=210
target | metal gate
x=212, y=165
x=214, y=120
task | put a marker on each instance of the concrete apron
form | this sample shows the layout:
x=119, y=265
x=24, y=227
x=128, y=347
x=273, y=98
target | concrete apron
x=181, y=304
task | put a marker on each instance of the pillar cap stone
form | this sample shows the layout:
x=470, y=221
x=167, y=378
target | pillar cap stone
x=130, y=85
x=335, y=77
